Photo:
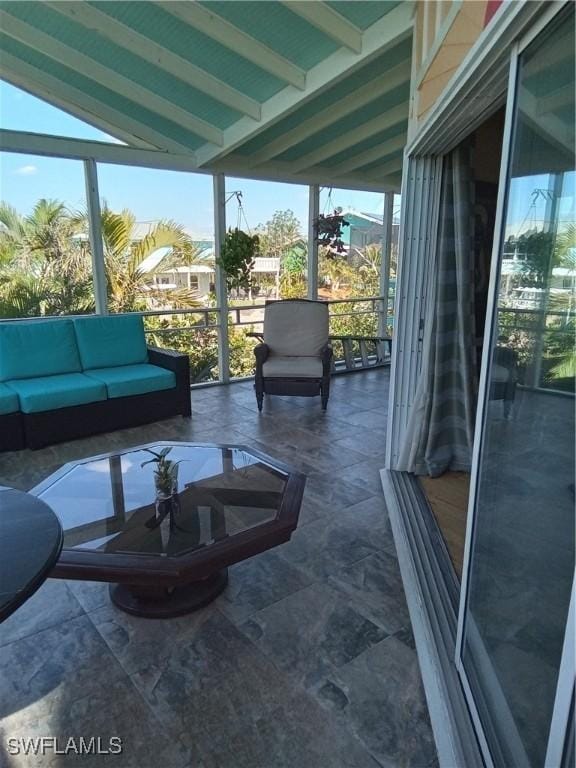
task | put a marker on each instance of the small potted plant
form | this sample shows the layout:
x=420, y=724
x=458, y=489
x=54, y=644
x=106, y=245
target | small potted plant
x=237, y=256
x=165, y=474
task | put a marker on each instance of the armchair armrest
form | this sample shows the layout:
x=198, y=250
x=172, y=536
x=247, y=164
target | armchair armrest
x=326, y=354
x=261, y=352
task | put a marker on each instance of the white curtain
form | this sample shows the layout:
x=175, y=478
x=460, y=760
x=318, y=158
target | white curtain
x=441, y=427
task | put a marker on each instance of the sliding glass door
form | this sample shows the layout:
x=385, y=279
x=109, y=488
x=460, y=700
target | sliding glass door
x=520, y=564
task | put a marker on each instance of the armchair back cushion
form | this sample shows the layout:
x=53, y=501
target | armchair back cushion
x=30, y=349
x=111, y=341
x=296, y=328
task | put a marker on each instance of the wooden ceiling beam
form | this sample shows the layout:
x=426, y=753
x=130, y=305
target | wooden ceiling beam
x=372, y=90
x=210, y=24
x=384, y=149
x=396, y=116
x=125, y=37
x=106, y=77
x=328, y=21
x=82, y=104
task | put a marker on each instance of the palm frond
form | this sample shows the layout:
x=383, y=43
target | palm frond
x=566, y=368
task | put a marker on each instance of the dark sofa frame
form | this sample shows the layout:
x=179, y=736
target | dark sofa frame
x=36, y=430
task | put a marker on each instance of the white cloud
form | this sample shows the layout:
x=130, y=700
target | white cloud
x=26, y=170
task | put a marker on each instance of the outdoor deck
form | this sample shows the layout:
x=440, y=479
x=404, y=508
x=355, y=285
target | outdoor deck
x=307, y=659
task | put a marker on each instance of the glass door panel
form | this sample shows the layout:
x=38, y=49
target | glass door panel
x=521, y=561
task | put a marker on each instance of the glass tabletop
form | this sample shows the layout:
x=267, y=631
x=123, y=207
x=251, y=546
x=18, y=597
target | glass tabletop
x=111, y=504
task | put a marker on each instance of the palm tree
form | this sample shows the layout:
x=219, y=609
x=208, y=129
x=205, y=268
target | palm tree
x=44, y=266
x=129, y=284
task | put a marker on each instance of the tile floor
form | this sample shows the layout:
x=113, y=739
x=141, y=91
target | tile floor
x=306, y=660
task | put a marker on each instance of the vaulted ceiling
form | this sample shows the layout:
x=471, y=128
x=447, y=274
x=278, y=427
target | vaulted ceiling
x=305, y=91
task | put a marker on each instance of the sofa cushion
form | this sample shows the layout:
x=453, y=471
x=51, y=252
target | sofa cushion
x=8, y=400
x=277, y=367
x=37, y=348
x=105, y=342
x=50, y=392
x=127, y=380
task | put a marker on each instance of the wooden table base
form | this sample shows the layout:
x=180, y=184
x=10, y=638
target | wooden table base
x=167, y=602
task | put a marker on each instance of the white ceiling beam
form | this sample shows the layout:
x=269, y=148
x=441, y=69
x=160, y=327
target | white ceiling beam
x=395, y=144
x=44, y=85
x=109, y=78
x=97, y=121
x=381, y=36
x=144, y=47
x=395, y=116
x=210, y=24
x=386, y=169
x=328, y=21
x=367, y=93
x=234, y=165
x=81, y=149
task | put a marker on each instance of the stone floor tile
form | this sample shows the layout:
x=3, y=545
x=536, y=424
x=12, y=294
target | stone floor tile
x=51, y=605
x=379, y=695
x=259, y=582
x=312, y=632
x=375, y=582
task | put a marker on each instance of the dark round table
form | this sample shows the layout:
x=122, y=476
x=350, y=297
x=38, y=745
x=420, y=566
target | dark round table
x=30, y=544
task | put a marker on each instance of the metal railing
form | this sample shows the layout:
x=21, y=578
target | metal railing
x=541, y=339
x=359, y=349
x=198, y=332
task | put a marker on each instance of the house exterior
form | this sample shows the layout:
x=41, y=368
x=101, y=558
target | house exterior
x=366, y=229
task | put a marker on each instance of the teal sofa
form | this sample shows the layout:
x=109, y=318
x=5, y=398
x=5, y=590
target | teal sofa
x=66, y=378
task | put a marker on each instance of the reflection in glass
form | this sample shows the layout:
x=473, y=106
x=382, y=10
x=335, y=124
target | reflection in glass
x=522, y=559
x=109, y=504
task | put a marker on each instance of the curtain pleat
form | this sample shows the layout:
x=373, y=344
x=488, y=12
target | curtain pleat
x=441, y=427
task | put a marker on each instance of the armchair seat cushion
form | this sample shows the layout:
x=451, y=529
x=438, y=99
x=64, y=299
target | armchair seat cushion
x=8, y=400
x=278, y=366
x=46, y=393
x=127, y=380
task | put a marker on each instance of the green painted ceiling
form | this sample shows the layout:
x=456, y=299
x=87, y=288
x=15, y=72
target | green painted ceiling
x=271, y=23
x=331, y=96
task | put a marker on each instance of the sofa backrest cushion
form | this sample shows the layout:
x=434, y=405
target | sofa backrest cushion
x=32, y=348
x=296, y=328
x=110, y=341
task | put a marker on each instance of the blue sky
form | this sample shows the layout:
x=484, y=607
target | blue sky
x=186, y=197
x=149, y=193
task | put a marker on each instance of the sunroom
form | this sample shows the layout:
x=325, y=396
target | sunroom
x=425, y=598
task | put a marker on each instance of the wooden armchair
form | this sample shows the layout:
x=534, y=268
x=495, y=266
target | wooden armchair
x=296, y=356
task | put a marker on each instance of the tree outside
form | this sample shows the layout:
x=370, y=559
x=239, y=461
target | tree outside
x=46, y=270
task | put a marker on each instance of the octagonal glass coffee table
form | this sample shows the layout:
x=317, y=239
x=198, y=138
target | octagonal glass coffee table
x=166, y=557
